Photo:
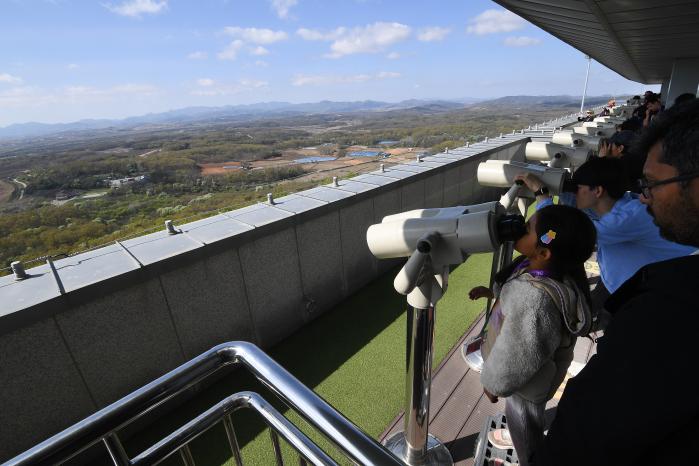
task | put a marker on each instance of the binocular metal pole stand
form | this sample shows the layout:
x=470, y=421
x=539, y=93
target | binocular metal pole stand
x=424, y=286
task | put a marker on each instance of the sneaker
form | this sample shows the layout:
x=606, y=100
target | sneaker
x=501, y=462
x=500, y=438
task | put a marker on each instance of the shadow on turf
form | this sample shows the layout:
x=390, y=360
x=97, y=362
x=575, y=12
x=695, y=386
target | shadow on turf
x=311, y=355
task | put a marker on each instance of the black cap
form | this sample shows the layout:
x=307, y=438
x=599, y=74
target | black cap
x=607, y=172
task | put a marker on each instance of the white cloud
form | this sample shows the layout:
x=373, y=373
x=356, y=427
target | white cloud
x=431, y=34
x=372, y=38
x=198, y=55
x=393, y=56
x=205, y=82
x=314, y=34
x=231, y=51
x=238, y=87
x=282, y=7
x=119, y=90
x=494, y=21
x=521, y=41
x=259, y=50
x=256, y=35
x=323, y=80
x=136, y=8
x=85, y=95
x=388, y=74
x=9, y=79
x=73, y=66
x=261, y=63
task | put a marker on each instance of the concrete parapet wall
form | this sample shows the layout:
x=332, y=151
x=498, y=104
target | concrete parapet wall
x=113, y=319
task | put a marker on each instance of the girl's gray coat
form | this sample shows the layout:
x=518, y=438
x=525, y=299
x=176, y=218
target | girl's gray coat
x=535, y=346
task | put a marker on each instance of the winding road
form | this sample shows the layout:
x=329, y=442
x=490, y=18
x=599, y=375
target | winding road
x=24, y=186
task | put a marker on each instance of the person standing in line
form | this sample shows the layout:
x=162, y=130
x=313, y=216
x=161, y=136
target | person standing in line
x=542, y=306
x=634, y=404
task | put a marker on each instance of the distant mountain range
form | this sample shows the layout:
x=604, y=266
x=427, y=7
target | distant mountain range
x=272, y=109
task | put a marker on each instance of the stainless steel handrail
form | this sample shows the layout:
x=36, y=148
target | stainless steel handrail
x=278, y=423
x=346, y=436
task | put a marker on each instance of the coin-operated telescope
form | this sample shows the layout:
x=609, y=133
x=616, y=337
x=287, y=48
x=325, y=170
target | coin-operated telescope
x=601, y=130
x=625, y=111
x=556, y=155
x=609, y=119
x=570, y=138
x=433, y=240
x=501, y=174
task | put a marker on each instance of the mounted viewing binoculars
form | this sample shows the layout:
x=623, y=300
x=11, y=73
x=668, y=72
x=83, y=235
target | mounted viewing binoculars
x=601, y=129
x=434, y=240
x=570, y=138
x=461, y=231
x=556, y=155
x=502, y=173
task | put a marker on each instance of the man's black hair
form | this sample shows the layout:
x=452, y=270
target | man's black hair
x=652, y=98
x=607, y=172
x=677, y=129
x=682, y=98
x=631, y=124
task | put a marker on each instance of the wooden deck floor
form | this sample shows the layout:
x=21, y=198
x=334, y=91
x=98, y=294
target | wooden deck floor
x=458, y=407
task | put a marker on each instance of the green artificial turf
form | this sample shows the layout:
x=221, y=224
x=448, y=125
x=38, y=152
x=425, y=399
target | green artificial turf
x=353, y=356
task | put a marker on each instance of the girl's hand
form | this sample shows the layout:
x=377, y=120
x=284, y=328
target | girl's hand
x=480, y=292
x=604, y=150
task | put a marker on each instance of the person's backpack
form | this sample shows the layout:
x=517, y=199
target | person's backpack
x=578, y=321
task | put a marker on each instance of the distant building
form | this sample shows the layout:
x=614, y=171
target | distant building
x=118, y=183
x=65, y=194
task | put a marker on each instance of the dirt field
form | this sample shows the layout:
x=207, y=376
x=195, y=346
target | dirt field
x=6, y=190
x=219, y=168
x=336, y=167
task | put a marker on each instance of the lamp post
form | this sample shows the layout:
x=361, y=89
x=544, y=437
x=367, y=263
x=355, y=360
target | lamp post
x=587, y=75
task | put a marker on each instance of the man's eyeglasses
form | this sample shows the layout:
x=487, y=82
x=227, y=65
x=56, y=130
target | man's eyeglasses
x=645, y=186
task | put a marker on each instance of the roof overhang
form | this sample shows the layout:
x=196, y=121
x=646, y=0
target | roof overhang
x=639, y=39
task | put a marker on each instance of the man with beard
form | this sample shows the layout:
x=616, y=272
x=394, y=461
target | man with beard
x=632, y=403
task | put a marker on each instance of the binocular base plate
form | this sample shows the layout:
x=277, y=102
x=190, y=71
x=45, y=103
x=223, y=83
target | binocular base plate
x=437, y=454
x=471, y=352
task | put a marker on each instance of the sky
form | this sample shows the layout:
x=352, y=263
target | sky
x=66, y=60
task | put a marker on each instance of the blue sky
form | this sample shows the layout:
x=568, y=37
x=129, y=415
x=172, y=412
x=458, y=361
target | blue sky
x=65, y=60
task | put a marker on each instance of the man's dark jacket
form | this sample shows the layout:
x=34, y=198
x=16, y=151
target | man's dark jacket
x=637, y=401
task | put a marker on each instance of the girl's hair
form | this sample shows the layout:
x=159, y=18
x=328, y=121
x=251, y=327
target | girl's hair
x=574, y=241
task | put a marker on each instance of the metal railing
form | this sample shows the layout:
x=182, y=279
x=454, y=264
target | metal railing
x=103, y=426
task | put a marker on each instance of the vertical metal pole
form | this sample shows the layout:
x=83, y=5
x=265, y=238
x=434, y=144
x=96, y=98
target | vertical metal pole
x=186, y=455
x=277, y=448
x=587, y=75
x=116, y=450
x=232, y=440
x=417, y=382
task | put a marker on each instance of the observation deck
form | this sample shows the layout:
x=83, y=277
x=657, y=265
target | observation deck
x=81, y=332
